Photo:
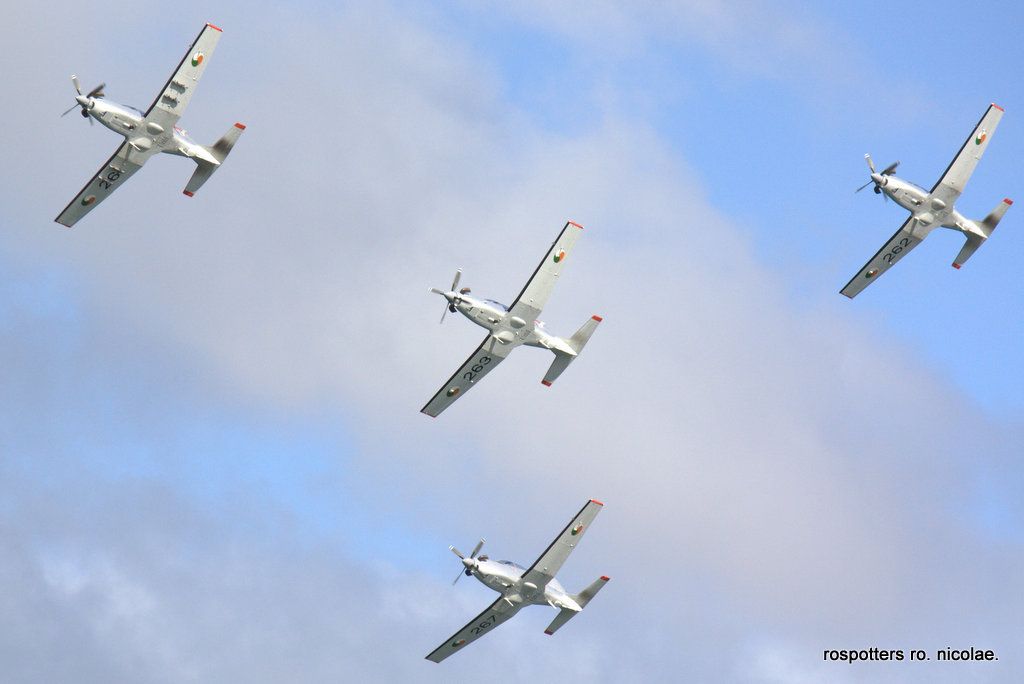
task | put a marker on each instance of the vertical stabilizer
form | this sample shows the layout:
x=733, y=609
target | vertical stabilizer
x=986, y=226
x=576, y=344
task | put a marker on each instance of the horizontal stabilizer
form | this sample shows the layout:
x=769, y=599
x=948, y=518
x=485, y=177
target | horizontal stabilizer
x=576, y=343
x=564, y=615
x=219, y=151
x=986, y=226
x=583, y=598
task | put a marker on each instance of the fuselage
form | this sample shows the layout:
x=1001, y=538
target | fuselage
x=131, y=124
x=506, y=328
x=505, y=577
x=930, y=211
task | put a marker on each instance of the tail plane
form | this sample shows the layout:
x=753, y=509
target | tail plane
x=576, y=344
x=218, y=152
x=582, y=598
x=986, y=226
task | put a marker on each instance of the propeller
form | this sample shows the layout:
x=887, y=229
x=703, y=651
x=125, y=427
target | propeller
x=85, y=101
x=452, y=301
x=469, y=563
x=878, y=178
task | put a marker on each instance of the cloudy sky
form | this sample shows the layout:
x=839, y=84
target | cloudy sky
x=212, y=465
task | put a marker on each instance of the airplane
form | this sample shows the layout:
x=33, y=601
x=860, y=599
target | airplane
x=520, y=586
x=933, y=208
x=152, y=131
x=511, y=326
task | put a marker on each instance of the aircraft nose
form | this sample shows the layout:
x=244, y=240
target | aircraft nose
x=470, y=563
x=83, y=100
x=879, y=178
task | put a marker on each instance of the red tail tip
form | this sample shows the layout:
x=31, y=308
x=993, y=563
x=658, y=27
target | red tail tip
x=597, y=318
x=956, y=266
x=190, y=194
x=599, y=503
x=216, y=28
x=240, y=126
x=573, y=223
x=545, y=383
x=605, y=578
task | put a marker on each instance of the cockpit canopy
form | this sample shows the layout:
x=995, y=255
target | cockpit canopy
x=511, y=564
x=496, y=305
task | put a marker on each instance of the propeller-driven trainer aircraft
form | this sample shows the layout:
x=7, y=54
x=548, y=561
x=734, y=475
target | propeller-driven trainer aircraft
x=522, y=587
x=511, y=326
x=154, y=131
x=934, y=208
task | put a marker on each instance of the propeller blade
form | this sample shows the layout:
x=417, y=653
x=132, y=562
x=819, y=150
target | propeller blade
x=458, y=276
x=457, y=577
x=871, y=164
x=476, y=549
x=443, y=314
x=70, y=108
x=97, y=91
x=436, y=291
x=78, y=86
x=863, y=186
x=456, y=551
x=887, y=171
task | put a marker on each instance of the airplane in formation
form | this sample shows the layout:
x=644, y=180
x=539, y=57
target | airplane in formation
x=152, y=131
x=521, y=587
x=931, y=209
x=511, y=326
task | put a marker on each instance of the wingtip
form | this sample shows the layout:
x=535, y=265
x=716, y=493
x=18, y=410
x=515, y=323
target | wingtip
x=548, y=632
x=998, y=107
x=186, y=192
x=546, y=383
x=597, y=318
x=240, y=126
x=956, y=266
x=599, y=503
x=1007, y=201
x=605, y=578
x=215, y=28
x=573, y=223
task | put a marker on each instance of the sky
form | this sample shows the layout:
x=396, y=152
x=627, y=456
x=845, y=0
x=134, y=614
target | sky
x=212, y=462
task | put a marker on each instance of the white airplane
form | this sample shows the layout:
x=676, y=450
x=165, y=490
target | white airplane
x=520, y=586
x=932, y=209
x=154, y=131
x=511, y=326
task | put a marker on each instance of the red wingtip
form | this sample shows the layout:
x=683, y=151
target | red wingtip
x=215, y=28
x=1008, y=201
x=548, y=632
x=605, y=578
x=545, y=383
x=956, y=266
x=190, y=194
x=573, y=223
x=599, y=503
x=240, y=126
x=597, y=318
x=998, y=107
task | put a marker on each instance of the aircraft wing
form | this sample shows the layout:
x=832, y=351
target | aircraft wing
x=898, y=245
x=549, y=563
x=952, y=183
x=488, y=355
x=170, y=104
x=534, y=296
x=112, y=175
x=496, y=613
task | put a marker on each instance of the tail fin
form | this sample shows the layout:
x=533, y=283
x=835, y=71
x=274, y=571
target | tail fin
x=576, y=343
x=582, y=598
x=218, y=151
x=986, y=226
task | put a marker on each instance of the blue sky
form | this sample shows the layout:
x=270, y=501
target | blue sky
x=210, y=419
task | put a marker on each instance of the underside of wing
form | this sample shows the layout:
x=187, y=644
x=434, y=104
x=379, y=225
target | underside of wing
x=952, y=183
x=534, y=296
x=895, y=249
x=549, y=563
x=488, y=355
x=112, y=175
x=485, y=622
x=172, y=100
